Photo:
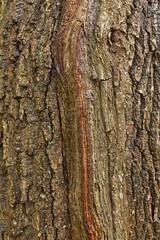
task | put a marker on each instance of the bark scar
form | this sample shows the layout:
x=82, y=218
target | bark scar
x=68, y=53
x=83, y=131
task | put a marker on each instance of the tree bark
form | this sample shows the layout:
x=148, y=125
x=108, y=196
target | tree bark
x=80, y=120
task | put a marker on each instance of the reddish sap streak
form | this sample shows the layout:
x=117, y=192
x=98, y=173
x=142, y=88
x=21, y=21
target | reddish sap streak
x=69, y=24
x=82, y=122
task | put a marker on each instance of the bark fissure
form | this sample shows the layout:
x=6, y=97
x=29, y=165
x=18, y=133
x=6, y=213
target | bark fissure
x=143, y=88
x=32, y=150
x=79, y=120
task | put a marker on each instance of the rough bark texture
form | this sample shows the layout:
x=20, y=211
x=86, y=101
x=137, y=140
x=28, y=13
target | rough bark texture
x=33, y=191
x=80, y=120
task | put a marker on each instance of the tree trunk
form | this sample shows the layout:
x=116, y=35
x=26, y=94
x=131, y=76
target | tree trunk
x=80, y=120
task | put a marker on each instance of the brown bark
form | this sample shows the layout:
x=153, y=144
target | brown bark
x=33, y=195
x=79, y=108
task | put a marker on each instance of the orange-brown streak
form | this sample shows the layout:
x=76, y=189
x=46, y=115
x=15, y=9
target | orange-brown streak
x=82, y=118
x=63, y=35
